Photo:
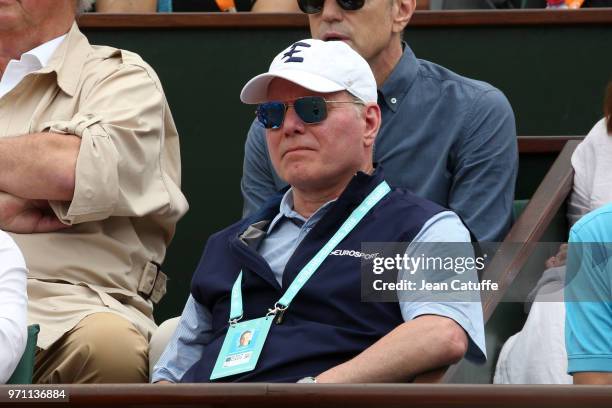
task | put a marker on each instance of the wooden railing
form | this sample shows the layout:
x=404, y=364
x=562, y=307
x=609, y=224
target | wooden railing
x=529, y=228
x=464, y=18
x=526, y=232
x=320, y=396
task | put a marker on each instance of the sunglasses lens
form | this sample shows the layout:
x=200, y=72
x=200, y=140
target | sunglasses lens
x=351, y=4
x=315, y=6
x=311, y=109
x=271, y=114
x=311, y=6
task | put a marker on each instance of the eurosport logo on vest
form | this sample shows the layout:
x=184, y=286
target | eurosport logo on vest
x=354, y=254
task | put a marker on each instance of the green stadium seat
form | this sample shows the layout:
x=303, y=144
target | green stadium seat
x=25, y=369
x=517, y=209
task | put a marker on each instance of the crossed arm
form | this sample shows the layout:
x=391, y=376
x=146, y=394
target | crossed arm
x=35, y=168
x=116, y=134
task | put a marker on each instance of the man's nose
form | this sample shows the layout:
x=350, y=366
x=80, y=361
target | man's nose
x=331, y=11
x=292, y=124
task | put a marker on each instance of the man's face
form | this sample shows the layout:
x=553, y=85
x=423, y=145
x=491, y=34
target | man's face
x=245, y=339
x=317, y=156
x=369, y=30
x=20, y=15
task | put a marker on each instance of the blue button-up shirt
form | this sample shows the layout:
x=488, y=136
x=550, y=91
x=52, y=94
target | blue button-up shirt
x=445, y=137
x=284, y=234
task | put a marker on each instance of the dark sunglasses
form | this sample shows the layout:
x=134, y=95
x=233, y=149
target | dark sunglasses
x=310, y=109
x=315, y=6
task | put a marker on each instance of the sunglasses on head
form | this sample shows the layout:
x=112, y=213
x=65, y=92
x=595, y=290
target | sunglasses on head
x=310, y=109
x=315, y=6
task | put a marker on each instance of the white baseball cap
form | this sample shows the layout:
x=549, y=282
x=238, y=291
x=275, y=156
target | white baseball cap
x=320, y=66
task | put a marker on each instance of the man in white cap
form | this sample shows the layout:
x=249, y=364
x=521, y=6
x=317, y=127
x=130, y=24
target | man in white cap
x=291, y=274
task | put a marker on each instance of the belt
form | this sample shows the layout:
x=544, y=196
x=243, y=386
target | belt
x=153, y=282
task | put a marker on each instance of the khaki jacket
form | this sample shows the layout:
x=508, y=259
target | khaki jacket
x=127, y=197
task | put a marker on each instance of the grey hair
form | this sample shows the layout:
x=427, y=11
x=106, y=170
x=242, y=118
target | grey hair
x=84, y=5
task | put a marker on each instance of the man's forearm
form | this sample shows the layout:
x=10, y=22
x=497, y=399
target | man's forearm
x=39, y=166
x=419, y=345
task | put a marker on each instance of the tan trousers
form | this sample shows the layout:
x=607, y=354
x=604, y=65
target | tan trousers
x=102, y=348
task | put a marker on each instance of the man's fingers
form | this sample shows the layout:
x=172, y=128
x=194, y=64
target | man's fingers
x=49, y=223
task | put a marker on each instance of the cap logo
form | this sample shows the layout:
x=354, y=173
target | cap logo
x=294, y=50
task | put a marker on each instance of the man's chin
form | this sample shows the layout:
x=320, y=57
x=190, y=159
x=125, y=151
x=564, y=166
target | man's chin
x=301, y=177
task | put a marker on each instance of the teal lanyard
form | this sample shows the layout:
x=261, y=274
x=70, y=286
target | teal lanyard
x=311, y=267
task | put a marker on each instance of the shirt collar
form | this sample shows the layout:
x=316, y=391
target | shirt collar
x=286, y=211
x=68, y=59
x=42, y=54
x=400, y=80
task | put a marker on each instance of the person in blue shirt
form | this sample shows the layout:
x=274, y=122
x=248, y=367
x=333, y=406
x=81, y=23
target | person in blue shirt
x=588, y=299
x=445, y=137
x=298, y=261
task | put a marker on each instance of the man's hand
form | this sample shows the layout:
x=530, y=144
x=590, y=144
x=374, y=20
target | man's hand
x=559, y=259
x=23, y=216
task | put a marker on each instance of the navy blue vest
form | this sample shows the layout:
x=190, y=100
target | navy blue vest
x=327, y=323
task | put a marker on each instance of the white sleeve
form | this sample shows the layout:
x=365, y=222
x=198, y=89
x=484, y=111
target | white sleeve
x=592, y=183
x=580, y=198
x=13, y=306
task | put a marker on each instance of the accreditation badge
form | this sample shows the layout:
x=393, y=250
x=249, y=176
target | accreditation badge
x=242, y=346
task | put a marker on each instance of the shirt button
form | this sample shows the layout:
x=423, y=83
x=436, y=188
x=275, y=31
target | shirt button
x=393, y=100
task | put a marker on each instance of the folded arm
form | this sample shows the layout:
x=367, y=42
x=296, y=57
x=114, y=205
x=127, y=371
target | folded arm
x=39, y=166
x=35, y=168
x=106, y=160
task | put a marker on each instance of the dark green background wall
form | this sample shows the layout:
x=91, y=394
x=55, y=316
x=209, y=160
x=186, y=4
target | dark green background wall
x=554, y=77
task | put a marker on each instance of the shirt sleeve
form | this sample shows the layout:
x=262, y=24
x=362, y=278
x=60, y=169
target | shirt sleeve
x=13, y=306
x=588, y=297
x=582, y=162
x=128, y=163
x=485, y=168
x=259, y=180
x=185, y=347
x=446, y=227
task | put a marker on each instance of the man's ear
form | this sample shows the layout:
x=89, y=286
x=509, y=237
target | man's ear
x=373, y=120
x=402, y=13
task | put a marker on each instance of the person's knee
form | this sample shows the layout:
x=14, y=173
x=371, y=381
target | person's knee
x=102, y=348
x=114, y=347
